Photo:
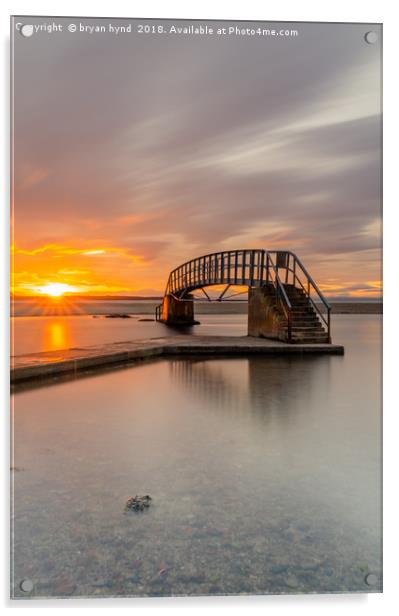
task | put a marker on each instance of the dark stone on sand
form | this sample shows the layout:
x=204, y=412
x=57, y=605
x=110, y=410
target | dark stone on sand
x=138, y=503
x=146, y=319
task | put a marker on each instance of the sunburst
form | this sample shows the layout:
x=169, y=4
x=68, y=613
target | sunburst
x=56, y=289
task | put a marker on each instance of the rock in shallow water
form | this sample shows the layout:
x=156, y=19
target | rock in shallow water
x=291, y=581
x=138, y=503
x=119, y=315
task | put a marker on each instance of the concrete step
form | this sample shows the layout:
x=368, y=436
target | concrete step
x=289, y=288
x=300, y=302
x=306, y=339
x=307, y=316
x=304, y=332
x=297, y=297
x=305, y=309
x=293, y=290
x=303, y=314
x=294, y=294
x=304, y=317
x=306, y=329
x=310, y=340
x=307, y=335
x=305, y=323
x=310, y=323
x=311, y=327
x=298, y=314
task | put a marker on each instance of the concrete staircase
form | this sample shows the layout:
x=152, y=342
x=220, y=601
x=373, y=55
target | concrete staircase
x=306, y=326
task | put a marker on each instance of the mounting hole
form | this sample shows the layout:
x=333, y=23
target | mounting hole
x=371, y=579
x=26, y=585
x=371, y=37
x=26, y=30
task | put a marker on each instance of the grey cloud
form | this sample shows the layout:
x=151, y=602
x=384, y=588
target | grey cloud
x=84, y=117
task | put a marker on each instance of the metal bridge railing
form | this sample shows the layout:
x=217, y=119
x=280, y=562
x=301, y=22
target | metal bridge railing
x=250, y=268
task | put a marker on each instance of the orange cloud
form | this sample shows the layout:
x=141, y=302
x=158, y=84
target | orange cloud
x=61, y=249
x=83, y=270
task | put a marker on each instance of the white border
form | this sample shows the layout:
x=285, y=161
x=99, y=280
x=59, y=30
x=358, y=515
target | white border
x=290, y=10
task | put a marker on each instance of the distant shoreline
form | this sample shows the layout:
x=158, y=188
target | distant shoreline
x=158, y=298
x=89, y=298
x=357, y=307
x=36, y=307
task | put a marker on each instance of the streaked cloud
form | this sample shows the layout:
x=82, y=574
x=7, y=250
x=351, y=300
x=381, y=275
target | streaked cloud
x=146, y=152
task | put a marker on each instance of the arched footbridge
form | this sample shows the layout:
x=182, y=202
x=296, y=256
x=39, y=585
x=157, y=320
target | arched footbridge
x=284, y=302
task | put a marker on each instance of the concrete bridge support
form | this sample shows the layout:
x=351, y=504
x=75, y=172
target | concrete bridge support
x=265, y=319
x=178, y=311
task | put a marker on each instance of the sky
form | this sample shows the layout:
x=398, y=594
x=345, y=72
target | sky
x=134, y=153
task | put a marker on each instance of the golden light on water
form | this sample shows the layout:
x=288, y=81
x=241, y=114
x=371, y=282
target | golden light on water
x=57, y=334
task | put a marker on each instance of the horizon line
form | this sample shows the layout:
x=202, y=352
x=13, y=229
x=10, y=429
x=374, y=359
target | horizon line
x=160, y=297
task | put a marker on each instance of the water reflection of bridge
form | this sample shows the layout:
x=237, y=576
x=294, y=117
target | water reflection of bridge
x=262, y=385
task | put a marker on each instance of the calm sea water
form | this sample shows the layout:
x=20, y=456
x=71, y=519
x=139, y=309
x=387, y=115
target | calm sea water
x=265, y=475
x=52, y=333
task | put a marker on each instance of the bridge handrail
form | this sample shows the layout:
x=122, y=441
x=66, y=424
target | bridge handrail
x=187, y=264
x=309, y=278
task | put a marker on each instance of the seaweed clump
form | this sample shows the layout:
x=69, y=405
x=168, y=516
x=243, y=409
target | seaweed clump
x=138, y=503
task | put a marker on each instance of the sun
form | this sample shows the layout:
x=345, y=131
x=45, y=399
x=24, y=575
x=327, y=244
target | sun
x=56, y=289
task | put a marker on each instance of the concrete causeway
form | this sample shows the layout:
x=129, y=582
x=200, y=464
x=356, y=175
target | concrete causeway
x=36, y=366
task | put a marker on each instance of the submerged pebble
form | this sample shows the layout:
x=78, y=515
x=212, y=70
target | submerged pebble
x=292, y=581
x=138, y=503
